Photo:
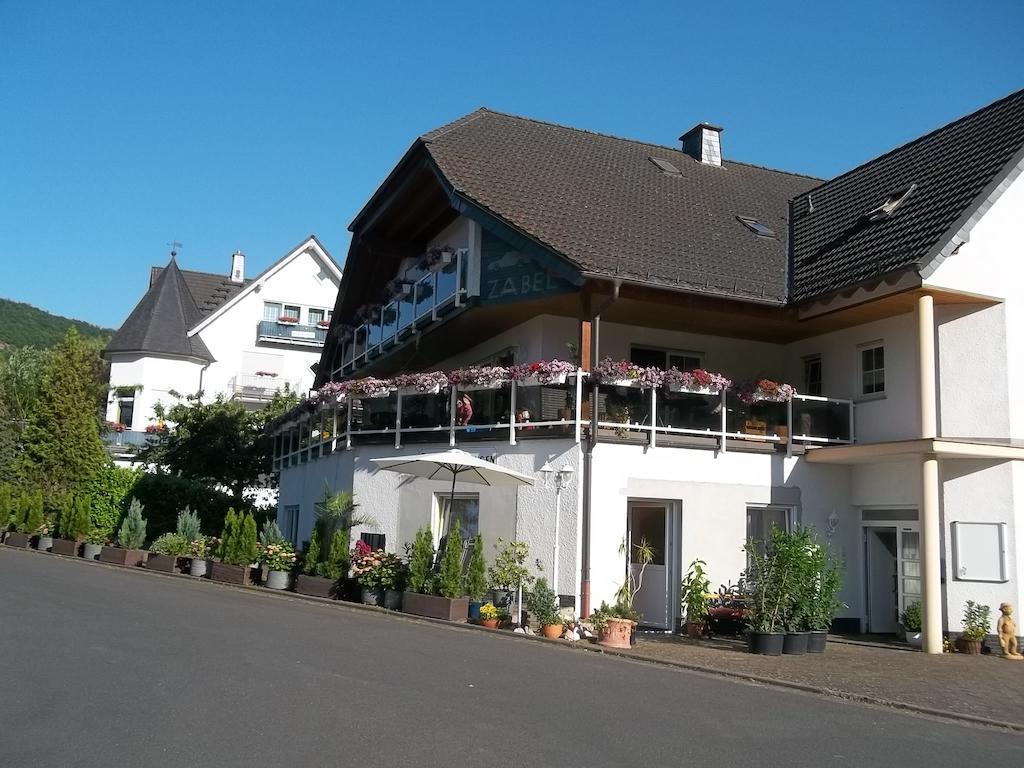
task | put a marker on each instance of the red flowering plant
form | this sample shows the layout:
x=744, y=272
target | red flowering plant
x=697, y=379
x=368, y=387
x=288, y=320
x=114, y=426
x=156, y=429
x=269, y=374
x=765, y=391
x=544, y=371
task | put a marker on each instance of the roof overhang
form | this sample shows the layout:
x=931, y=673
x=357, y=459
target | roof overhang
x=994, y=449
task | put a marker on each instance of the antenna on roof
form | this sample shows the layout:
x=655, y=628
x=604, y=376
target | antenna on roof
x=175, y=245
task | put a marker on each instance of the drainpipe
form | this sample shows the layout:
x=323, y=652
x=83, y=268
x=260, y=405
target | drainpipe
x=588, y=453
x=931, y=579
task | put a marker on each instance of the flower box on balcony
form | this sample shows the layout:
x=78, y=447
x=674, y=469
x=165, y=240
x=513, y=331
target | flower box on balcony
x=534, y=381
x=413, y=391
x=691, y=390
x=631, y=383
x=287, y=321
x=481, y=386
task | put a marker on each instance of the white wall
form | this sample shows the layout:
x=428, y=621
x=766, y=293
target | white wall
x=158, y=377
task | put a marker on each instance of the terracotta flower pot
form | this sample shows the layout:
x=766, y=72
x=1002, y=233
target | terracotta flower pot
x=970, y=647
x=490, y=623
x=552, y=631
x=695, y=629
x=616, y=633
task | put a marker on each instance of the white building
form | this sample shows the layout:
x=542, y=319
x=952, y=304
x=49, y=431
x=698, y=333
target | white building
x=891, y=297
x=243, y=338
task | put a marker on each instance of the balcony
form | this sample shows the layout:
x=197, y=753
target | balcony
x=253, y=387
x=126, y=443
x=516, y=412
x=276, y=332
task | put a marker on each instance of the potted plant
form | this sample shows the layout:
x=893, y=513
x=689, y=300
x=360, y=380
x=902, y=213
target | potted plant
x=910, y=619
x=130, y=538
x=166, y=553
x=476, y=578
x=619, y=623
x=543, y=606
x=800, y=560
x=429, y=383
x=509, y=571
x=44, y=535
x=977, y=620
x=237, y=549
x=24, y=519
x=695, y=600
x=278, y=559
x=73, y=526
x=93, y=544
x=613, y=625
x=543, y=372
x=490, y=616
x=823, y=600
x=326, y=559
x=768, y=595
x=365, y=564
x=442, y=597
x=200, y=550
x=479, y=377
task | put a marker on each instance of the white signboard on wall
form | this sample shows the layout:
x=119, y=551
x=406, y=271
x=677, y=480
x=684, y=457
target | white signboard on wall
x=979, y=551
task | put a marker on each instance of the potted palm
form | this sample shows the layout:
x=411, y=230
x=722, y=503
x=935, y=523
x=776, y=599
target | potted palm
x=326, y=558
x=695, y=600
x=130, y=538
x=476, y=578
x=910, y=619
x=616, y=626
x=543, y=607
x=237, y=549
x=977, y=620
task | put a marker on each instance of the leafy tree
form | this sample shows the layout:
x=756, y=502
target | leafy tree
x=165, y=495
x=476, y=578
x=21, y=378
x=62, y=448
x=450, y=582
x=218, y=443
x=421, y=561
x=133, y=529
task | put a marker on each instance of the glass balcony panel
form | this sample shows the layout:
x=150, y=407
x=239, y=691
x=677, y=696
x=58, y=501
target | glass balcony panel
x=389, y=322
x=447, y=283
x=406, y=312
x=825, y=420
x=374, y=414
x=481, y=410
x=628, y=406
x=546, y=410
x=759, y=420
x=373, y=334
x=425, y=418
x=684, y=410
x=359, y=343
x=424, y=299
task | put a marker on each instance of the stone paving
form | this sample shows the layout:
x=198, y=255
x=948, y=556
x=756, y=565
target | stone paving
x=977, y=686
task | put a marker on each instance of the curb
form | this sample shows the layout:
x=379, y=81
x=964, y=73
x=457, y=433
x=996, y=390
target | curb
x=581, y=646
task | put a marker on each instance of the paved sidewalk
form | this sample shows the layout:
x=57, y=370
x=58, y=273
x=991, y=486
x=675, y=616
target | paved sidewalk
x=974, y=686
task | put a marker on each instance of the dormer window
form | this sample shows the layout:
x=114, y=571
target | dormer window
x=888, y=208
x=755, y=226
x=666, y=167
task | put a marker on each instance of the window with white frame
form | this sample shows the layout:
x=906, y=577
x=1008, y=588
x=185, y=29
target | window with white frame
x=463, y=510
x=126, y=411
x=872, y=368
x=761, y=519
x=665, y=358
x=293, y=311
x=315, y=316
x=271, y=310
x=812, y=375
x=290, y=523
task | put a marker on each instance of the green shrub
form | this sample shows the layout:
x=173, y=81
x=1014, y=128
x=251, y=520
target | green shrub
x=911, y=617
x=33, y=512
x=165, y=495
x=65, y=518
x=509, y=570
x=189, y=526
x=311, y=557
x=6, y=507
x=229, y=537
x=247, y=551
x=335, y=565
x=421, y=560
x=110, y=491
x=238, y=542
x=450, y=583
x=133, y=529
x=171, y=544
x=977, y=620
x=476, y=578
x=542, y=603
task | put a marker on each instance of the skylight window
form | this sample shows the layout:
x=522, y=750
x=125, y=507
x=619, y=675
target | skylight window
x=667, y=168
x=756, y=226
x=888, y=208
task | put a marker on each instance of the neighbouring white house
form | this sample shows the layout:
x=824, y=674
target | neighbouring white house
x=891, y=298
x=244, y=338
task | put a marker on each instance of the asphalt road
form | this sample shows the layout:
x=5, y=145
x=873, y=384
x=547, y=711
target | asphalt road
x=102, y=667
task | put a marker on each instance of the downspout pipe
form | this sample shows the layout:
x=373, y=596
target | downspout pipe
x=588, y=452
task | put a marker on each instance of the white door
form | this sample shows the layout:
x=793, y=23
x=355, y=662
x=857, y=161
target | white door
x=651, y=523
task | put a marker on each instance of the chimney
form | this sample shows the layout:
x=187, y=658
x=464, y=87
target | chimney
x=703, y=142
x=237, y=267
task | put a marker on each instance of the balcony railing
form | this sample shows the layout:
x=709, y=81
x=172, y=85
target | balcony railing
x=251, y=386
x=428, y=299
x=127, y=442
x=517, y=412
x=291, y=333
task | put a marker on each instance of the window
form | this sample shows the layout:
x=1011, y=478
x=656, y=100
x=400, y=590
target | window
x=761, y=519
x=812, y=375
x=292, y=311
x=271, y=310
x=290, y=523
x=465, y=513
x=756, y=226
x=126, y=411
x=373, y=540
x=315, y=316
x=660, y=358
x=666, y=167
x=872, y=369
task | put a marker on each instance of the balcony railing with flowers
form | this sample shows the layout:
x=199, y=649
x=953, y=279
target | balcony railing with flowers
x=554, y=399
x=287, y=330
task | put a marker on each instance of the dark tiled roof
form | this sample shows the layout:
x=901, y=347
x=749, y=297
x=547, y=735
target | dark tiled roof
x=209, y=290
x=836, y=247
x=161, y=320
x=600, y=202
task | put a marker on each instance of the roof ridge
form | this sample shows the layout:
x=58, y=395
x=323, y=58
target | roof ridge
x=481, y=111
x=456, y=123
x=920, y=139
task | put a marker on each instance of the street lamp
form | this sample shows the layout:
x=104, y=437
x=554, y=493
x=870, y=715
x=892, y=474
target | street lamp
x=562, y=479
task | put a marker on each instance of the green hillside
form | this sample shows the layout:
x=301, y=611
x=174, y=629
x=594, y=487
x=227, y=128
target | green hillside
x=23, y=325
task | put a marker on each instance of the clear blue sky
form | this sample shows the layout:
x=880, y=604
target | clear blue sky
x=250, y=125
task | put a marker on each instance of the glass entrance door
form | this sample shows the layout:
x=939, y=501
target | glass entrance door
x=651, y=524
x=909, y=566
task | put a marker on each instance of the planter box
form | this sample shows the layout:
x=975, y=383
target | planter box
x=316, y=586
x=165, y=563
x=18, y=540
x=631, y=383
x=229, y=574
x=413, y=391
x=65, y=547
x=435, y=607
x=533, y=381
x=694, y=390
x=481, y=387
x=125, y=557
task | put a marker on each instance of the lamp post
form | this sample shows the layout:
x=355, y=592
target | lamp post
x=562, y=479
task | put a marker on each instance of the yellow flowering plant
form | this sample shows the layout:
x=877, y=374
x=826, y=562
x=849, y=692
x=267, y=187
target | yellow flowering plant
x=489, y=611
x=277, y=557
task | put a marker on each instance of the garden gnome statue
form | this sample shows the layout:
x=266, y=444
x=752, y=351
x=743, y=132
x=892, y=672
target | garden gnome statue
x=1007, y=631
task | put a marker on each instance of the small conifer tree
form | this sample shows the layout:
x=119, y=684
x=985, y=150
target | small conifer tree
x=246, y=541
x=6, y=507
x=23, y=512
x=65, y=516
x=270, y=533
x=335, y=565
x=229, y=537
x=476, y=579
x=421, y=560
x=81, y=519
x=34, y=512
x=311, y=558
x=133, y=528
x=189, y=525
x=451, y=582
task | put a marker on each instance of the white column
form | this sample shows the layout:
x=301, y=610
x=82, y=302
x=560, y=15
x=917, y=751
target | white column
x=931, y=580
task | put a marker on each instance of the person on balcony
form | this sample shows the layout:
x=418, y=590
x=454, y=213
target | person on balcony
x=463, y=409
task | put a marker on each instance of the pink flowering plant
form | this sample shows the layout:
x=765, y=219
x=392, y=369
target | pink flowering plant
x=544, y=371
x=368, y=387
x=609, y=370
x=332, y=391
x=277, y=556
x=422, y=382
x=697, y=379
x=479, y=375
x=765, y=391
x=377, y=569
